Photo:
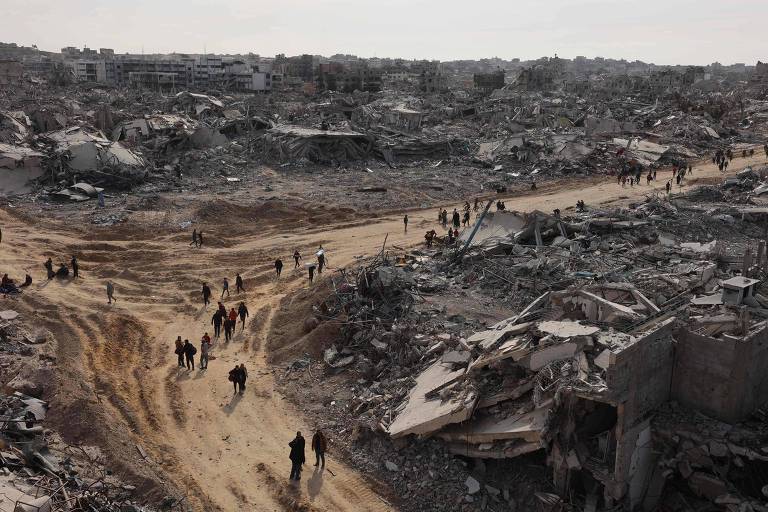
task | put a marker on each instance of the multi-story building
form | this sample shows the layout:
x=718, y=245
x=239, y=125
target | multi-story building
x=89, y=70
x=244, y=76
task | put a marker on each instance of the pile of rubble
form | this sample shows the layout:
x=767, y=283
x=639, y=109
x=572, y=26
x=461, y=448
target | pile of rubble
x=619, y=318
x=35, y=477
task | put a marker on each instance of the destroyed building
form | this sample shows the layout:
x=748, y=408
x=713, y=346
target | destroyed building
x=489, y=82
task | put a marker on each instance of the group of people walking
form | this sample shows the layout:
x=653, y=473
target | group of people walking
x=228, y=320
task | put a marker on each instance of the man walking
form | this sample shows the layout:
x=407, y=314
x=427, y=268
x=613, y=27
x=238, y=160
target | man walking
x=242, y=311
x=200, y=239
x=75, y=267
x=405, y=222
x=234, y=377
x=229, y=326
x=216, y=321
x=278, y=267
x=189, y=354
x=296, y=258
x=49, y=267
x=311, y=270
x=179, y=351
x=297, y=456
x=205, y=346
x=194, y=237
x=239, y=284
x=320, y=260
x=110, y=293
x=224, y=288
x=319, y=445
x=206, y=295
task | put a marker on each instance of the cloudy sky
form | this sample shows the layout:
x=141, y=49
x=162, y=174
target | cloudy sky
x=660, y=31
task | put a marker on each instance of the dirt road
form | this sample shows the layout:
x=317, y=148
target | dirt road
x=122, y=387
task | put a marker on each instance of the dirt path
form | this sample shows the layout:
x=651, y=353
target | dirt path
x=229, y=452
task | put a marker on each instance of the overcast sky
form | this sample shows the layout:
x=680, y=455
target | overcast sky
x=660, y=31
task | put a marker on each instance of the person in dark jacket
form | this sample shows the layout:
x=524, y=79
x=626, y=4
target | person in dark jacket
x=278, y=267
x=319, y=445
x=216, y=321
x=189, y=354
x=233, y=377
x=206, y=294
x=296, y=258
x=242, y=311
x=180, y=351
x=75, y=268
x=297, y=456
x=239, y=284
x=49, y=268
x=242, y=376
x=229, y=327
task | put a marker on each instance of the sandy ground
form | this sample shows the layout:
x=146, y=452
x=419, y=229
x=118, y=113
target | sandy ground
x=228, y=452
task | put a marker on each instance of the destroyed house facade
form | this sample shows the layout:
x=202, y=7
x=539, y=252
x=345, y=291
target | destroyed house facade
x=489, y=82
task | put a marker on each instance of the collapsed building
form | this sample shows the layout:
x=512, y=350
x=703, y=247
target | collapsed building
x=636, y=374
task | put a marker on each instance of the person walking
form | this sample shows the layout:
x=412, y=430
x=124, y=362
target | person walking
x=75, y=267
x=200, y=239
x=179, y=351
x=228, y=328
x=456, y=218
x=320, y=260
x=296, y=456
x=206, y=295
x=194, y=238
x=216, y=321
x=319, y=445
x=205, y=347
x=49, y=267
x=239, y=284
x=110, y=293
x=189, y=354
x=242, y=376
x=278, y=267
x=311, y=269
x=242, y=311
x=234, y=377
x=296, y=258
x=225, y=288
x=405, y=222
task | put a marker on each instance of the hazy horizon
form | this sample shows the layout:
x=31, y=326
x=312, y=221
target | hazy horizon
x=665, y=33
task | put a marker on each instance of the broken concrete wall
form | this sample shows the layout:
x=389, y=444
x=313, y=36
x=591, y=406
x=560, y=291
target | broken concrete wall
x=724, y=378
x=639, y=377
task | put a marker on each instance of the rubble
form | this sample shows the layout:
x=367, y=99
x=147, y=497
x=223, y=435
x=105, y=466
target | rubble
x=34, y=478
x=579, y=371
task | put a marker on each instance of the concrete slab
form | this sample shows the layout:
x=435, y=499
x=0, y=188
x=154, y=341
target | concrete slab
x=527, y=426
x=423, y=416
x=566, y=329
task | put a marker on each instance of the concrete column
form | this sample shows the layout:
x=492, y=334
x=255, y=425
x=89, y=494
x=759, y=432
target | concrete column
x=747, y=261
